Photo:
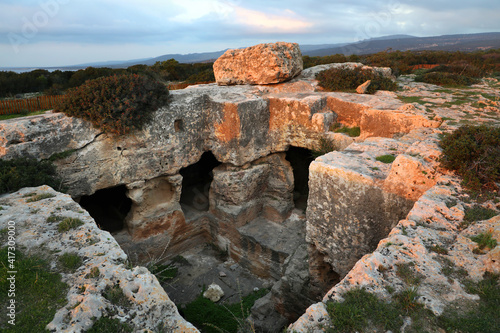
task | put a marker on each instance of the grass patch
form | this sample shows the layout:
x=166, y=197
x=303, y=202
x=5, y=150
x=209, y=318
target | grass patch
x=361, y=311
x=116, y=296
x=411, y=99
x=485, y=240
x=94, y=272
x=40, y=197
x=55, y=218
x=439, y=249
x=351, y=131
x=39, y=293
x=407, y=274
x=480, y=318
x=68, y=224
x=477, y=213
x=106, y=324
x=19, y=115
x=70, y=261
x=386, y=158
x=214, y=318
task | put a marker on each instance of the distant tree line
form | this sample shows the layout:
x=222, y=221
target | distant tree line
x=56, y=82
x=402, y=62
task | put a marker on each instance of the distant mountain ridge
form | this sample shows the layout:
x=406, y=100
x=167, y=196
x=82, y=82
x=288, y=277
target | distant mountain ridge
x=462, y=42
x=459, y=42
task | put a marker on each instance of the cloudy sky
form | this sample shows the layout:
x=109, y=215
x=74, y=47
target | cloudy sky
x=68, y=32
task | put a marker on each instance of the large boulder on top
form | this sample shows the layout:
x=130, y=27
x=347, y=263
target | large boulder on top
x=259, y=64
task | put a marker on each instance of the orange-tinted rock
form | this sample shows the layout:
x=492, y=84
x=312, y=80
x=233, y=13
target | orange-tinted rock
x=259, y=64
x=361, y=89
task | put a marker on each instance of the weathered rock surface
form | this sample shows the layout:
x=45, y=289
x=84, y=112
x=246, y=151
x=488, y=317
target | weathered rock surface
x=355, y=200
x=239, y=124
x=259, y=64
x=149, y=307
x=432, y=222
x=43, y=135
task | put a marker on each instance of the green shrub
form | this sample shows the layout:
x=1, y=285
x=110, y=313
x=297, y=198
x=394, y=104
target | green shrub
x=346, y=79
x=446, y=79
x=474, y=153
x=115, y=104
x=25, y=172
x=385, y=158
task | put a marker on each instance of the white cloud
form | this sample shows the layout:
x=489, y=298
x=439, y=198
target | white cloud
x=286, y=22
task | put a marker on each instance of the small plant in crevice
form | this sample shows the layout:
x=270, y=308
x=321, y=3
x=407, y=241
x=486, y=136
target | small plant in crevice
x=408, y=274
x=485, y=240
x=40, y=197
x=325, y=146
x=114, y=294
x=70, y=261
x=69, y=223
x=94, y=273
x=351, y=131
x=407, y=299
x=439, y=249
x=386, y=158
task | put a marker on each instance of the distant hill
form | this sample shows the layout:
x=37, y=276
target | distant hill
x=466, y=43
x=463, y=42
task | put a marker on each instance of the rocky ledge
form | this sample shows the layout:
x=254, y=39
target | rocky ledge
x=104, y=266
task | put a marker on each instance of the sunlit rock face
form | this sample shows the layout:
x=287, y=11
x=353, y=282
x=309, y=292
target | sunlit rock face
x=259, y=64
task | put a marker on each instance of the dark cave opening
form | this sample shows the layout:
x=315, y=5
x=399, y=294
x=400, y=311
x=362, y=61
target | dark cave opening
x=300, y=159
x=196, y=180
x=108, y=207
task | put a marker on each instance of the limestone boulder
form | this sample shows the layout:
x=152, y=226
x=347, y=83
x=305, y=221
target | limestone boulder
x=146, y=306
x=259, y=64
x=213, y=293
